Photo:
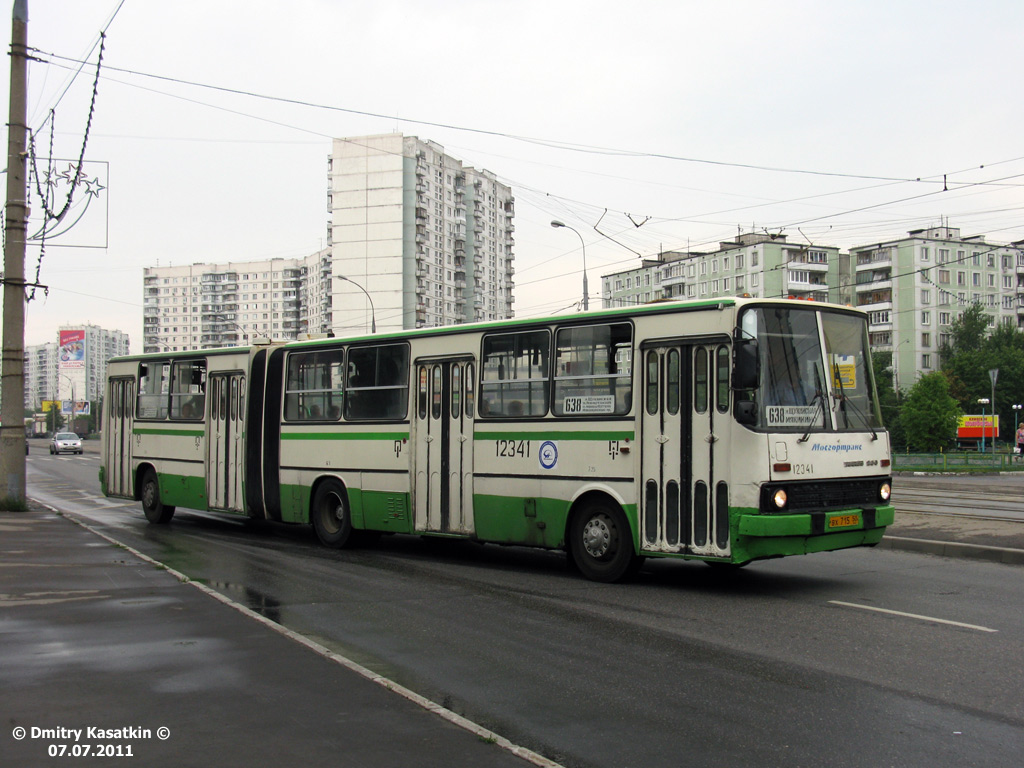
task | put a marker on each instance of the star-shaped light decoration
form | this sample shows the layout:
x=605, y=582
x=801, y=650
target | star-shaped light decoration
x=93, y=187
x=69, y=174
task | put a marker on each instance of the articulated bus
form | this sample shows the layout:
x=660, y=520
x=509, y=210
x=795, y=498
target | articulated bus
x=727, y=431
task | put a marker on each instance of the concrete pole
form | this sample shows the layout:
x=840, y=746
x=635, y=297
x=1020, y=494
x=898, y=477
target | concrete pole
x=12, y=369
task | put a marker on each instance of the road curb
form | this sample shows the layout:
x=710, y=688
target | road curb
x=1004, y=555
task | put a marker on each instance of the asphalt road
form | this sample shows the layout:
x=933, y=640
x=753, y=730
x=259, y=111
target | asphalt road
x=858, y=658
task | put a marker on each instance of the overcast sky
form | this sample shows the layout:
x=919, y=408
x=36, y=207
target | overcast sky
x=673, y=124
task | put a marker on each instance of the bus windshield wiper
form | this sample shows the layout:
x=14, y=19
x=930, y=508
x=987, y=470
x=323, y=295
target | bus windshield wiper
x=820, y=398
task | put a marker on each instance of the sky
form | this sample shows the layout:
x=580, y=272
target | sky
x=646, y=126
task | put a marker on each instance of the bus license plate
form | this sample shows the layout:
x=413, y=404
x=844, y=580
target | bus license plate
x=843, y=521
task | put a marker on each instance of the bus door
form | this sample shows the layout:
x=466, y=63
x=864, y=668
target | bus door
x=665, y=454
x=120, y=416
x=709, y=442
x=443, y=495
x=224, y=446
x=684, y=508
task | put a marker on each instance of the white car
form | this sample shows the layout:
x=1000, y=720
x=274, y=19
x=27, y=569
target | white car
x=66, y=442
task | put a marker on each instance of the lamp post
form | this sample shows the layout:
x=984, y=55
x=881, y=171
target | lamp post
x=896, y=367
x=993, y=374
x=586, y=300
x=1016, y=420
x=983, y=401
x=373, y=314
x=73, y=402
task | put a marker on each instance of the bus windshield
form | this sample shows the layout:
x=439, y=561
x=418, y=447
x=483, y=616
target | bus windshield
x=815, y=370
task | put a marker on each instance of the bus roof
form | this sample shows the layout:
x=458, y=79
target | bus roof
x=653, y=308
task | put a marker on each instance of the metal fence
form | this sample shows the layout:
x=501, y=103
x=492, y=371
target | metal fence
x=968, y=460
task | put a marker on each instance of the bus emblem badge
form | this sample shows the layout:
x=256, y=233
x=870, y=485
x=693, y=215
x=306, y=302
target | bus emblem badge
x=548, y=454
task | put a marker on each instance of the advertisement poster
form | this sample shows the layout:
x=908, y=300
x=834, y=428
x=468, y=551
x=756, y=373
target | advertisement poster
x=72, y=349
x=75, y=408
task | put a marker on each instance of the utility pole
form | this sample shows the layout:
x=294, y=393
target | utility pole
x=12, y=366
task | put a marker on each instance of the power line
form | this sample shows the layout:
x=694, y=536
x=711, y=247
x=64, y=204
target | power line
x=552, y=143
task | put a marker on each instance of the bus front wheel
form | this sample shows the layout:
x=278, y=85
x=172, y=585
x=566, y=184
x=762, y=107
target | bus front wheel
x=156, y=511
x=600, y=543
x=331, y=520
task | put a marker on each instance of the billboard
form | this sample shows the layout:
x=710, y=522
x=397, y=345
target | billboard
x=74, y=408
x=72, y=349
x=977, y=426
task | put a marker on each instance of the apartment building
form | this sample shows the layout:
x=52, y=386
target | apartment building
x=417, y=238
x=914, y=287
x=756, y=264
x=220, y=305
x=74, y=366
x=40, y=374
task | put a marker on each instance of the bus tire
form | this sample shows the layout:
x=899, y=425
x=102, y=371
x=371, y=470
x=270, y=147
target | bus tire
x=156, y=511
x=600, y=542
x=331, y=519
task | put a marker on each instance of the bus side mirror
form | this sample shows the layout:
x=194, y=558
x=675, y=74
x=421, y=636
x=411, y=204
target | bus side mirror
x=745, y=412
x=745, y=365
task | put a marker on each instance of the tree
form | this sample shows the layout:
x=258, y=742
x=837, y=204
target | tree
x=972, y=353
x=930, y=414
x=888, y=398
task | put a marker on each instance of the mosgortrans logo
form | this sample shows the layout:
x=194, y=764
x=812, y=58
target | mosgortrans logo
x=839, y=448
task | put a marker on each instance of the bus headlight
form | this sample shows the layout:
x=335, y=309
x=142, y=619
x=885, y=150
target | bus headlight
x=780, y=498
x=884, y=491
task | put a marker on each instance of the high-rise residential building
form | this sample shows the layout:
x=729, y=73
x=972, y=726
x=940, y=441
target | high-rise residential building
x=417, y=238
x=914, y=287
x=72, y=367
x=40, y=374
x=219, y=305
x=755, y=264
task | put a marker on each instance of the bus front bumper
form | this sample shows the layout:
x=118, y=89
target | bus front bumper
x=816, y=523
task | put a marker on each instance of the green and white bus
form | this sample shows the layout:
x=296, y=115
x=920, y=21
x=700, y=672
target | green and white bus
x=728, y=431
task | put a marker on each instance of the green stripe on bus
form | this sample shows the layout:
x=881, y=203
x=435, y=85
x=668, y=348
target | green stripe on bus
x=339, y=435
x=549, y=435
x=179, y=432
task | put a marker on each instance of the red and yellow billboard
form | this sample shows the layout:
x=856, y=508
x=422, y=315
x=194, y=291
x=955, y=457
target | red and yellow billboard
x=977, y=427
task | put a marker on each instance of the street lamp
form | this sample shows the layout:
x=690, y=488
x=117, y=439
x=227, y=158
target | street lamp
x=993, y=374
x=1016, y=420
x=373, y=314
x=895, y=368
x=73, y=403
x=983, y=401
x=586, y=299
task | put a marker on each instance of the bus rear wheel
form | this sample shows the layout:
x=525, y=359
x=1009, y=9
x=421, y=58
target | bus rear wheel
x=600, y=543
x=331, y=519
x=156, y=511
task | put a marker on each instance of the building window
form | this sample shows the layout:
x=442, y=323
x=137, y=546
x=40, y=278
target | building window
x=926, y=297
x=926, y=318
x=926, y=360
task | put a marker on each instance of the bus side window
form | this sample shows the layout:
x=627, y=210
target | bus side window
x=378, y=382
x=313, y=386
x=722, y=378
x=593, y=370
x=154, y=389
x=514, y=374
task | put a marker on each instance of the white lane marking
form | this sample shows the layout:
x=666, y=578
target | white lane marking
x=913, y=616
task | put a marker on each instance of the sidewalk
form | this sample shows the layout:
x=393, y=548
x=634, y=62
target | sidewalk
x=93, y=636
x=1000, y=541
